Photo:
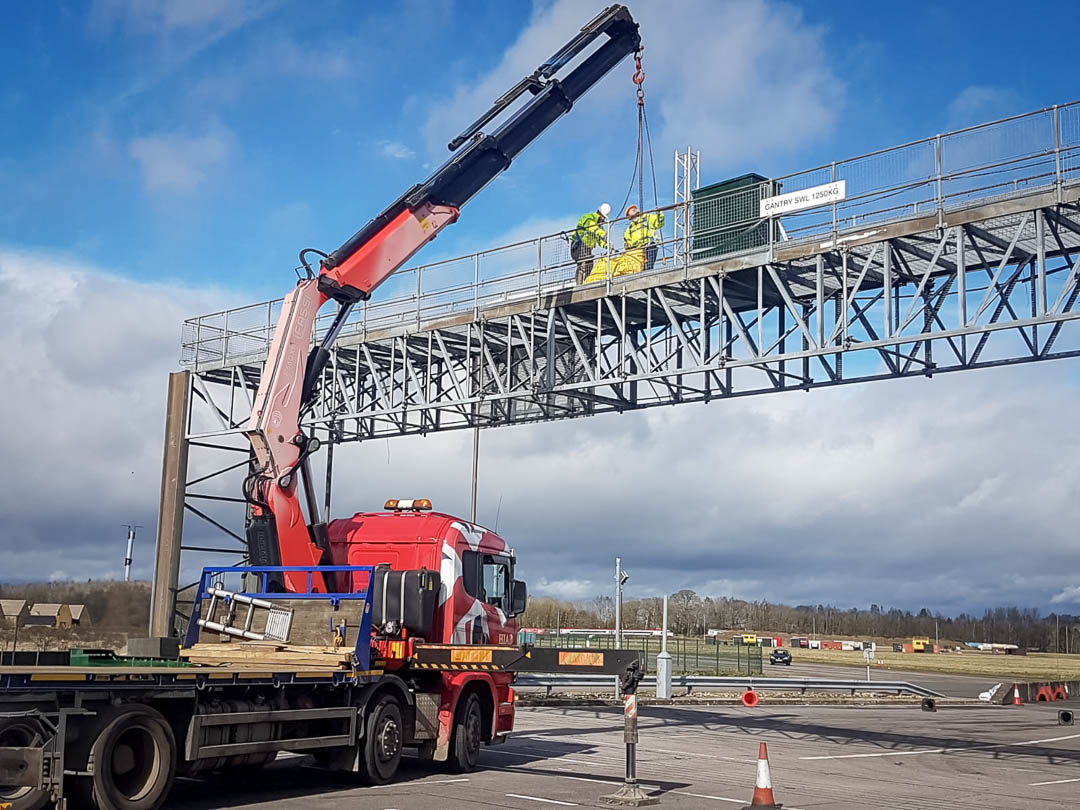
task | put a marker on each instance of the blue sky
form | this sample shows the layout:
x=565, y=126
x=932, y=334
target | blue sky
x=166, y=158
x=210, y=140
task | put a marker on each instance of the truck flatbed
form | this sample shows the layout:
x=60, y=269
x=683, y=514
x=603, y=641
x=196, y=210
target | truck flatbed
x=51, y=678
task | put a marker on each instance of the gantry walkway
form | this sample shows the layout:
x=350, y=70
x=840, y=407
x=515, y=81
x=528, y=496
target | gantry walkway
x=955, y=252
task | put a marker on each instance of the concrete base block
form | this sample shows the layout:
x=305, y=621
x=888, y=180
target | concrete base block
x=630, y=796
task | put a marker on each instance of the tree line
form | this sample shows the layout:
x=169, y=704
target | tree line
x=692, y=615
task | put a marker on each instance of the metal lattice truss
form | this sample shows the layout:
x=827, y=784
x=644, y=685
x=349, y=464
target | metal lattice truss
x=989, y=285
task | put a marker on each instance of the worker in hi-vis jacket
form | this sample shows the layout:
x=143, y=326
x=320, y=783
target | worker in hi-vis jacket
x=589, y=234
x=643, y=233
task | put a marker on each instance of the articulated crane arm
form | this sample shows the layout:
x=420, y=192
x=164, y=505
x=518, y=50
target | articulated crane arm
x=278, y=532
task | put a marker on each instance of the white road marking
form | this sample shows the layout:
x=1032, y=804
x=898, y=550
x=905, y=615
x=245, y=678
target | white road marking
x=719, y=798
x=421, y=782
x=613, y=782
x=1055, y=782
x=652, y=750
x=610, y=782
x=539, y=799
x=961, y=750
x=533, y=756
x=706, y=796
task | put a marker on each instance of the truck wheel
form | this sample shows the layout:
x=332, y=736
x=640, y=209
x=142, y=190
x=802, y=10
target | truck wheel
x=468, y=734
x=383, y=739
x=21, y=733
x=134, y=756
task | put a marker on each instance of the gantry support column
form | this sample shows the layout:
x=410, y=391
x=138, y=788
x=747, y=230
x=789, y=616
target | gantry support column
x=171, y=516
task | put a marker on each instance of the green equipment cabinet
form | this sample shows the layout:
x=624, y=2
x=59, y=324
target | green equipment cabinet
x=726, y=219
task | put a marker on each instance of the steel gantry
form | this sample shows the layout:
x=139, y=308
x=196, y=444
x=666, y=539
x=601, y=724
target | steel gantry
x=956, y=252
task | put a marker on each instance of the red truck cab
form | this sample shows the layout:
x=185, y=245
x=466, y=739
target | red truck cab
x=478, y=595
x=478, y=600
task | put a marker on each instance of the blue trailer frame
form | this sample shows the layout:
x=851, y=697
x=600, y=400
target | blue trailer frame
x=267, y=575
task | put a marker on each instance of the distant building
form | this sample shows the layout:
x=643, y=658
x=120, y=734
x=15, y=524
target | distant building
x=80, y=616
x=13, y=612
x=48, y=614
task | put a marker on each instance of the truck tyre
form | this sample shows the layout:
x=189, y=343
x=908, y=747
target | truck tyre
x=382, y=743
x=134, y=758
x=21, y=733
x=468, y=735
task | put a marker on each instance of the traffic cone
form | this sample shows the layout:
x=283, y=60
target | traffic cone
x=1016, y=695
x=763, y=795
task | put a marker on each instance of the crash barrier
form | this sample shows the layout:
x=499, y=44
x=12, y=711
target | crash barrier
x=1037, y=692
x=709, y=682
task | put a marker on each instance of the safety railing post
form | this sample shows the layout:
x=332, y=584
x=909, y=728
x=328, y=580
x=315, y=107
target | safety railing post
x=539, y=263
x=1057, y=153
x=225, y=340
x=419, y=292
x=476, y=285
x=937, y=162
x=835, y=205
x=607, y=231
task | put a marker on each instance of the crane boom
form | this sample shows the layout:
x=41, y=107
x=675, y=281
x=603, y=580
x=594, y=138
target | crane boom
x=278, y=532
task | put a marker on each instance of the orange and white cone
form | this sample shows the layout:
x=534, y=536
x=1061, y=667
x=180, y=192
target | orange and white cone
x=1016, y=695
x=763, y=795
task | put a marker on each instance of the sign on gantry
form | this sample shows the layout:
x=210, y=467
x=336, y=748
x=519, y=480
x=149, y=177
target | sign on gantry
x=800, y=200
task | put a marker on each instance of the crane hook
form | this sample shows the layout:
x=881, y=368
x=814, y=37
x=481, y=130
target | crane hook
x=639, y=77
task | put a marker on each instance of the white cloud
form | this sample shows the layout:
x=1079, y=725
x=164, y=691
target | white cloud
x=980, y=103
x=85, y=369
x=1071, y=595
x=739, y=80
x=573, y=589
x=876, y=493
x=175, y=31
x=955, y=493
x=158, y=16
x=395, y=150
x=172, y=162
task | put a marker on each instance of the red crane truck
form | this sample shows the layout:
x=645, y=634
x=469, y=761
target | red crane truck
x=413, y=610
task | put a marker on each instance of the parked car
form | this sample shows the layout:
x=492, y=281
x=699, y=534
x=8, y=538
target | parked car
x=780, y=657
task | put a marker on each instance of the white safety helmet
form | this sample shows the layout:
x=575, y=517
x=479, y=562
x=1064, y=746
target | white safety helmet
x=604, y=210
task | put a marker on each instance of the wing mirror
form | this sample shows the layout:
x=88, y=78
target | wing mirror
x=518, y=598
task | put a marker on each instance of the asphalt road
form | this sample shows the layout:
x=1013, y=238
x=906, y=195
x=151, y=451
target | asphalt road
x=822, y=757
